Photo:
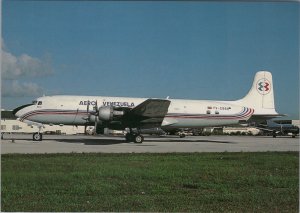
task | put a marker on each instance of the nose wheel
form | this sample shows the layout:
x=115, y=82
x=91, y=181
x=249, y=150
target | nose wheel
x=37, y=136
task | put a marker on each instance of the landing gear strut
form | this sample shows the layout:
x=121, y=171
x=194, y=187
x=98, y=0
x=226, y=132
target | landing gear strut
x=274, y=134
x=134, y=137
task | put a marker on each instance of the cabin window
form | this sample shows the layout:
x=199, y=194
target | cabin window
x=208, y=112
x=40, y=103
x=217, y=112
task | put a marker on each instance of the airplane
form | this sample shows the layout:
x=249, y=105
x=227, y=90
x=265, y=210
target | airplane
x=278, y=129
x=136, y=114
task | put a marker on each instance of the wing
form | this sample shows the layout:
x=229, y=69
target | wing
x=148, y=114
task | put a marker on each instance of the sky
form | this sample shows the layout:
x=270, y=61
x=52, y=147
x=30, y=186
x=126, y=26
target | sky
x=190, y=50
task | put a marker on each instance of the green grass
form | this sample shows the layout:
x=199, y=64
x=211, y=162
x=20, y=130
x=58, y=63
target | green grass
x=206, y=182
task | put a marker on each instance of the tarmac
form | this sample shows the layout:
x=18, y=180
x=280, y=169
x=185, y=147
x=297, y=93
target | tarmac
x=16, y=143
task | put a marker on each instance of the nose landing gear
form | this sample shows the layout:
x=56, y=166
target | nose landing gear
x=37, y=136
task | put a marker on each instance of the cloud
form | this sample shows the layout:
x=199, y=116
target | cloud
x=14, y=67
x=17, y=89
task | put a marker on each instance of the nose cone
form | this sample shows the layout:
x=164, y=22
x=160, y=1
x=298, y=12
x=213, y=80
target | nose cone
x=17, y=111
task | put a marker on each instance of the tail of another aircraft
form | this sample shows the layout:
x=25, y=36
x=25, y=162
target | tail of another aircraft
x=261, y=95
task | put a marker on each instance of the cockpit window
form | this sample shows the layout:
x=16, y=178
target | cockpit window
x=40, y=103
x=34, y=102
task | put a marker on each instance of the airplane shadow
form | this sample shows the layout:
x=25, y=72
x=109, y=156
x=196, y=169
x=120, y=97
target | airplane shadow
x=97, y=141
x=118, y=140
x=191, y=141
x=105, y=141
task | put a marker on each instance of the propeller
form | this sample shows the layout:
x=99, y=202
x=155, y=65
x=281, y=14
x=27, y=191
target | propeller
x=85, y=126
x=96, y=117
x=95, y=113
x=87, y=119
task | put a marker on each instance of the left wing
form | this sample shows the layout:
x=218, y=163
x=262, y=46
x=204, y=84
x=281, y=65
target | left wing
x=261, y=118
x=148, y=114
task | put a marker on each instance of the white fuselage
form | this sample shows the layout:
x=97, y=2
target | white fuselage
x=73, y=110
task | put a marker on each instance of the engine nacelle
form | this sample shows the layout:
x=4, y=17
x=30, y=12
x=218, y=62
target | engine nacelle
x=108, y=113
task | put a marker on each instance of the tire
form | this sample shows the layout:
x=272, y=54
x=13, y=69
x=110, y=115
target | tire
x=37, y=137
x=138, y=139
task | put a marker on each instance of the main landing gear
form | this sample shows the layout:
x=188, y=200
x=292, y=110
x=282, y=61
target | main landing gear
x=134, y=137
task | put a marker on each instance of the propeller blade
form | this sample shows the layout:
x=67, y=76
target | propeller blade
x=85, y=126
x=96, y=117
x=96, y=122
x=97, y=109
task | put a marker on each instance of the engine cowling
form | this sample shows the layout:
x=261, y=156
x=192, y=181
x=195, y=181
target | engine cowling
x=108, y=113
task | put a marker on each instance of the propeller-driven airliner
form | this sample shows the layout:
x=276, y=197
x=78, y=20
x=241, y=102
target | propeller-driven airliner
x=135, y=114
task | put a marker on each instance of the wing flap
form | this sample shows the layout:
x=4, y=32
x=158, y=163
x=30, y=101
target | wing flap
x=148, y=114
x=152, y=108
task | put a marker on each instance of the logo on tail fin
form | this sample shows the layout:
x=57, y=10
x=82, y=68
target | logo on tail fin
x=263, y=86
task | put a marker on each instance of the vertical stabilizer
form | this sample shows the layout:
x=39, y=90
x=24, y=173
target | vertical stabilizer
x=261, y=95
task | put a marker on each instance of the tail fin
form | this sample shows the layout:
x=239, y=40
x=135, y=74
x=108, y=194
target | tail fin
x=261, y=95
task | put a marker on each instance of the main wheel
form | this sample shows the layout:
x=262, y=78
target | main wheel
x=37, y=136
x=138, y=139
